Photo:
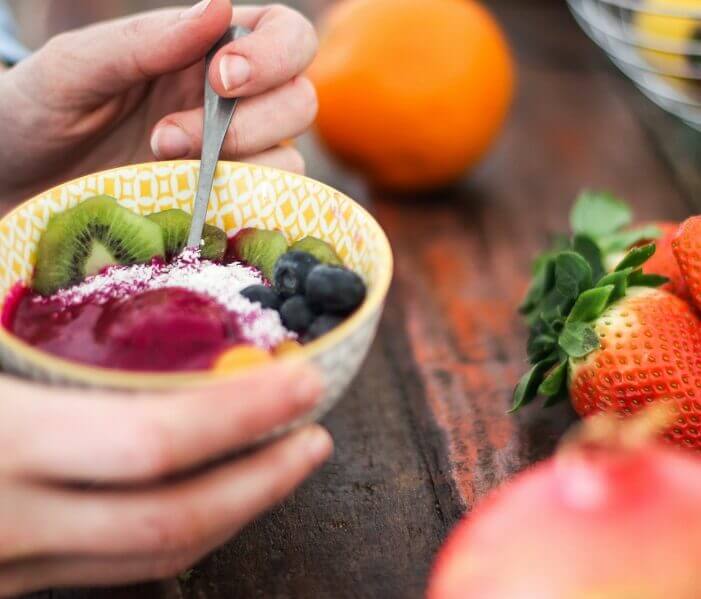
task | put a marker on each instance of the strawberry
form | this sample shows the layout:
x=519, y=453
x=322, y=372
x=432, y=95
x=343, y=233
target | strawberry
x=686, y=246
x=615, y=345
x=663, y=261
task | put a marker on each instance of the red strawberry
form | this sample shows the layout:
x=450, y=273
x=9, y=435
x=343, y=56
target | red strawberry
x=617, y=346
x=686, y=246
x=650, y=350
x=664, y=263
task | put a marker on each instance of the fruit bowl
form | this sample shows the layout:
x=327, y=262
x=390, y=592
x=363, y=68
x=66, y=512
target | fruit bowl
x=653, y=42
x=243, y=196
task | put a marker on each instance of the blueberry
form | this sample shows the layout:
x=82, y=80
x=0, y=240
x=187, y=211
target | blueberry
x=334, y=289
x=322, y=325
x=265, y=296
x=296, y=314
x=291, y=272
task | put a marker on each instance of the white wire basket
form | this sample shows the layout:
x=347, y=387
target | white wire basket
x=656, y=43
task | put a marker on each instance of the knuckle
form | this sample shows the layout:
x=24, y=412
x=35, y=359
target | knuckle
x=278, y=9
x=234, y=144
x=308, y=33
x=302, y=42
x=307, y=100
x=153, y=452
x=57, y=54
x=171, y=530
x=133, y=31
x=295, y=20
x=59, y=44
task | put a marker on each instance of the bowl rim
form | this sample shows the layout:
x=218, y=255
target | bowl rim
x=77, y=373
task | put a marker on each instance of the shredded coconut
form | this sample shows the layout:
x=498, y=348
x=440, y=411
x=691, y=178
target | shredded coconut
x=221, y=282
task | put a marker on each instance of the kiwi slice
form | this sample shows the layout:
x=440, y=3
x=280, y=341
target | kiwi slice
x=260, y=248
x=318, y=248
x=85, y=239
x=176, y=227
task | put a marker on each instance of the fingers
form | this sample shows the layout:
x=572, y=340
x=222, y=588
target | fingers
x=281, y=46
x=41, y=573
x=179, y=518
x=110, y=437
x=55, y=572
x=284, y=158
x=260, y=123
x=108, y=58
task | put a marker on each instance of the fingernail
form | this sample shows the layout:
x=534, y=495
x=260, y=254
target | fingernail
x=170, y=141
x=234, y=71
x=196, y=11
x=318, y=443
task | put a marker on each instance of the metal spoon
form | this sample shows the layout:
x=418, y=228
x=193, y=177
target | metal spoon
x=218, y=113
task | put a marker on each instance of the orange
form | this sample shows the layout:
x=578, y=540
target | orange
x=412, y=92
x=241, y=356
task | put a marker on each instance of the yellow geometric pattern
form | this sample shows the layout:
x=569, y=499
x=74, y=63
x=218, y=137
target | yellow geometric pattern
x=243, y=196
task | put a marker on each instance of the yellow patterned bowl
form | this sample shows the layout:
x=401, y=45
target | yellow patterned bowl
x=243, y=196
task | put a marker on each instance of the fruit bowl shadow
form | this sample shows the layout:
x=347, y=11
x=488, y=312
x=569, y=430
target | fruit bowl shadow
x=243, y=196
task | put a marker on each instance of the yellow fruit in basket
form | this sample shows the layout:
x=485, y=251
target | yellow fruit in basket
x=680, y=34
x=412, y=92
x=239, y=357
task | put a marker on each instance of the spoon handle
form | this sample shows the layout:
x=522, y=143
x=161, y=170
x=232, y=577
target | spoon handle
x=218, y=113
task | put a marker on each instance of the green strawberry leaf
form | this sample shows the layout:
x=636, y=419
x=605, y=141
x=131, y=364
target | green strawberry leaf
x=589, y=250
x=540, y=346
x=527, y=387
x=578, y=339
x=554, y=380
x=543, y=280
x=619, y=242
x=551, y=309
x=640, y=279
x=619, y=280
x=637, y=257
x=599, y=213
x=562, y=395
x=572, y=274
x=590, y=304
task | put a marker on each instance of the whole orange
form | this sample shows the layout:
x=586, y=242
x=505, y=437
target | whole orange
x=411, y=91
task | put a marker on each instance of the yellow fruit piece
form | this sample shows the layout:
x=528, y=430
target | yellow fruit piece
x=412, y=92
x=241, y=356
x=287, y=347
x=658, y=30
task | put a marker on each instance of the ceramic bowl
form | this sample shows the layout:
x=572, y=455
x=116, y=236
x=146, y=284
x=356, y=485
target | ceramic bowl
x=243, y=196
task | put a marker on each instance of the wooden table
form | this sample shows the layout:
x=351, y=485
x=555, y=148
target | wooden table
x=423, y=434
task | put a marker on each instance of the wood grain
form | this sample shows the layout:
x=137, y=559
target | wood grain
x=424, y=433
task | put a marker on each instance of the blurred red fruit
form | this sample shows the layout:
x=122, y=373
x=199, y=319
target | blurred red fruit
x=593, y=522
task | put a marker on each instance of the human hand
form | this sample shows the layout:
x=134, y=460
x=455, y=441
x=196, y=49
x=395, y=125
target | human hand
x=87, y=495
x=130, y=90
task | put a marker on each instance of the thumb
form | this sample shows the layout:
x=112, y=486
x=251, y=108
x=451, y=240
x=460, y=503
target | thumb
x=108, y=58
